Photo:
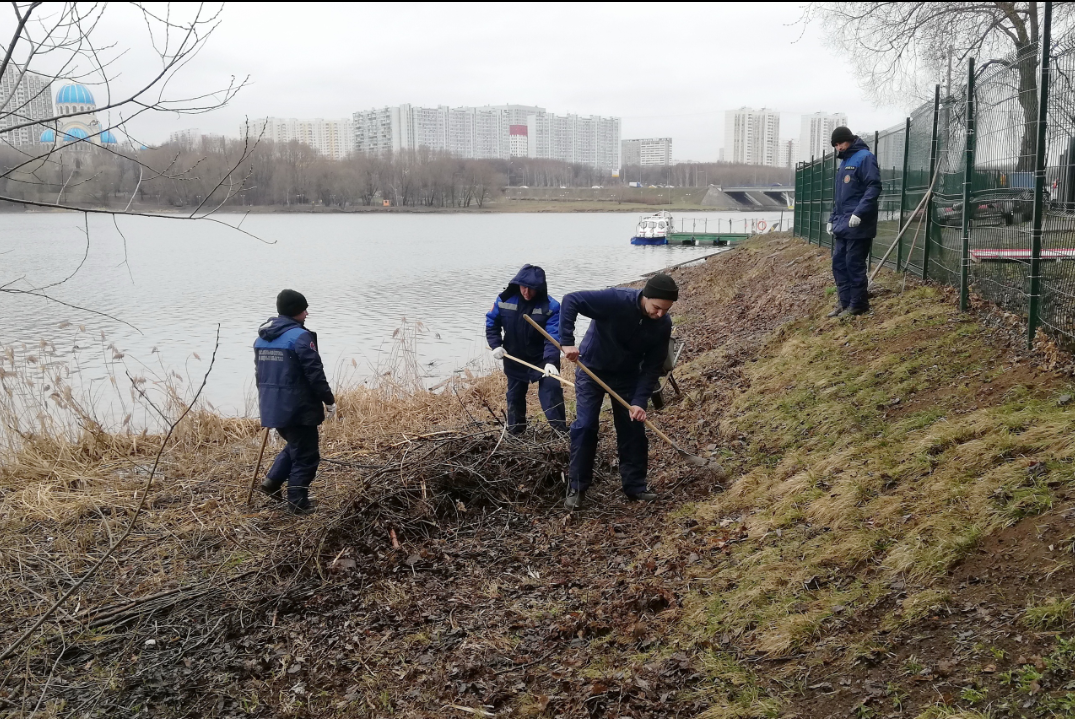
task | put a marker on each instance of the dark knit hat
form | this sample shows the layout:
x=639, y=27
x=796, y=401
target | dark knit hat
x=661, y=287
x=290, y=303
x=842, y=134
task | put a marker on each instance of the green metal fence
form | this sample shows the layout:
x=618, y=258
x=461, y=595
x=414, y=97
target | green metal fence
x=999, y=153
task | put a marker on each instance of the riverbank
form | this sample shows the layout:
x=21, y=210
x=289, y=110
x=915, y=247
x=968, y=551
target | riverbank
x=512, y=200
x=894, y=538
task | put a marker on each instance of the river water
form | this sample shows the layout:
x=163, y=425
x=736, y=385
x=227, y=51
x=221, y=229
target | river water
x=363, y=274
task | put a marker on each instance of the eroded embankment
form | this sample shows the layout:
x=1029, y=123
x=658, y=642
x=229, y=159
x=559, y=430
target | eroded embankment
x=894, y=540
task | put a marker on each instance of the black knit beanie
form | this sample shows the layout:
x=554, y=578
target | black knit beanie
x=842, y=134
x=661, y=287
x=290, y=303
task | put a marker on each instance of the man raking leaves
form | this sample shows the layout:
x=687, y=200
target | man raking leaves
x=625, y=348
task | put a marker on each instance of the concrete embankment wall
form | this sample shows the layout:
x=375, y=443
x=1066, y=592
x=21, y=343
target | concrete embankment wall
x=721, y=200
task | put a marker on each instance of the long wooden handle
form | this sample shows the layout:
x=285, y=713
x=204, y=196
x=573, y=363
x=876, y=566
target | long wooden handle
x=257, y=467
x=598, y=380
x=532, y=366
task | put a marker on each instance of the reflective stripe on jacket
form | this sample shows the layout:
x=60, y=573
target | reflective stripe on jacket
x=505, y=326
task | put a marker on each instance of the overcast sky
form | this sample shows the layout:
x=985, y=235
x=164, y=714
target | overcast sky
x=666, y=69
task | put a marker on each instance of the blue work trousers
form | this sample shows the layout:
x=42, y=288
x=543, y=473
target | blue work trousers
x=849, y=265
x=631, y=438
x=550, y=394
x=297, y=463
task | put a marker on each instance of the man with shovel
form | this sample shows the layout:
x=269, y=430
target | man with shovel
x=291, y=389
x=511, y=338
x=625, y=347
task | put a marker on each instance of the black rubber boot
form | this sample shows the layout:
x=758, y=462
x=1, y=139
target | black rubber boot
x=646, y=496
x=574, y=499
x=272, y=490
x=302, y=509
x=836, y=312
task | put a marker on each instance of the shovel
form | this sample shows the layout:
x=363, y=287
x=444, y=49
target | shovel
x=687, y=456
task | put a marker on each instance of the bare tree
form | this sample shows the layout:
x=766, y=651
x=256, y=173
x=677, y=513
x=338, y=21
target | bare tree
x=900, y=49
x=56, y=44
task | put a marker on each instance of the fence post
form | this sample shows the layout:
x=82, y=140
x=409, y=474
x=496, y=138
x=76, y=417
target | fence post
x=795, y=208
x=903, y=192
x=876, y=156
x=1034, y=313
x=928, y=209
x=809, y=218
x=968, y=180
x=819, y=196
x=832, y=188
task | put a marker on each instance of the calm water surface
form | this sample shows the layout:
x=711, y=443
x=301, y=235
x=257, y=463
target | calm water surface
x=362, y=274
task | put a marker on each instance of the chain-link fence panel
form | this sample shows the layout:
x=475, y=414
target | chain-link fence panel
x=1002, y=184
x=919, y=152
x=945, y=236
x=890, y=147
x=1057, y=266
x=980, y=230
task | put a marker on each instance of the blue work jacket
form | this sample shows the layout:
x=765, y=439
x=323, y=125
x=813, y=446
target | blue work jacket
x=290, y=377
x=505, y=326
x=858, y=185
x=622, y=339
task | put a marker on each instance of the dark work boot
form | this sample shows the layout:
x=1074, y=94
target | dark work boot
x=574, y=499
x=854, y=311
x=836, y=311
x=272, y=490
x=643, y=496
x=309, y=507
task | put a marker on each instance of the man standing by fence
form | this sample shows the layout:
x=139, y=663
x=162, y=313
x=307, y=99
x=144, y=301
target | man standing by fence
x=853, y=222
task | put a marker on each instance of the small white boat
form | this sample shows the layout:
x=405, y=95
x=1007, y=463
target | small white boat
x=653, y=229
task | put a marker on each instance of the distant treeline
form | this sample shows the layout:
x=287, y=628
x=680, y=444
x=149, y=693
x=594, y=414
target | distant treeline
x=293, y=174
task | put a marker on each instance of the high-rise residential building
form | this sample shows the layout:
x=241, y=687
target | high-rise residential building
x=195, y=139
x=789, y=153
x=752, y=136
x=24, y=97
x=491, y=131
x=815, y=137
x=331, y=138
x=518, y=140
x=647, y=152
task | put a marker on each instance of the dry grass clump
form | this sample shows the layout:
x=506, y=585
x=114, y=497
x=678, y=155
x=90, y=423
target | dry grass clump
x=68, y=486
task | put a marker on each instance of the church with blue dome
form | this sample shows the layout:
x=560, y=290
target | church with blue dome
x=77, y=121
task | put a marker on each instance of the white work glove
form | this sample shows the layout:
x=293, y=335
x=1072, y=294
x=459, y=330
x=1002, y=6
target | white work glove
x=330, y=412
x=551, y=371
x=855, y=221
x=498, y=353
x=828, y=228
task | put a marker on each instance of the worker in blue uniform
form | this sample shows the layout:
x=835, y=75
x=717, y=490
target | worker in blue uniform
x=508, y=333
x=625, y=346
x=853, y=222
x=292, y=388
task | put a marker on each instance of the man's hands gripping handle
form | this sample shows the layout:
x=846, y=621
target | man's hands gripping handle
x=637, y=413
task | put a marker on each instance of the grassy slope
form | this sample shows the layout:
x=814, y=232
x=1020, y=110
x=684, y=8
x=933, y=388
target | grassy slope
x=880, y=453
